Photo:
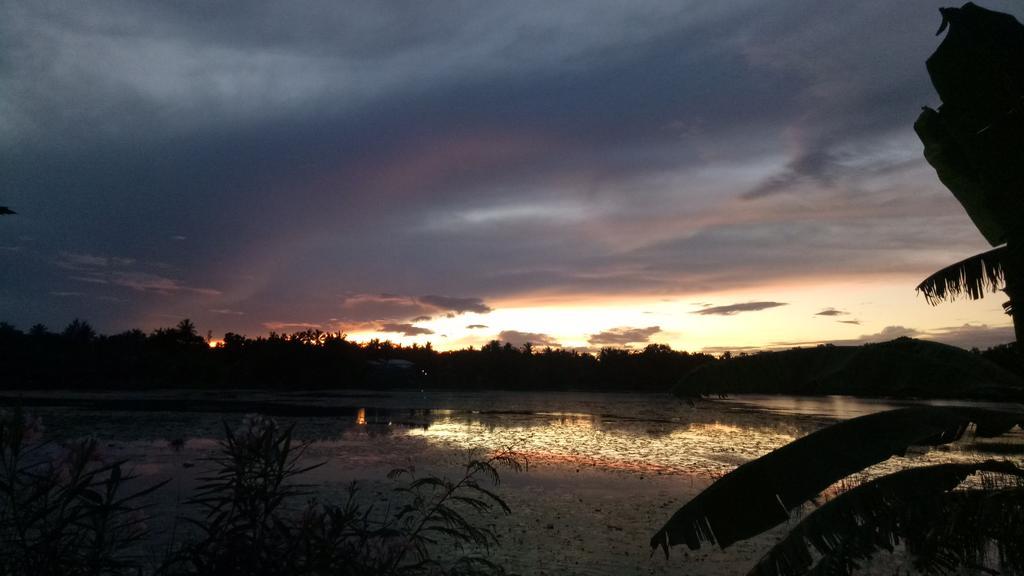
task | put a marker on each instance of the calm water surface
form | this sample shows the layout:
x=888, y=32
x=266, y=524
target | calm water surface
x=642, y=433
x=606, y=470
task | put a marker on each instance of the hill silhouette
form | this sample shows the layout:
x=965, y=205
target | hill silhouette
x=900, y=368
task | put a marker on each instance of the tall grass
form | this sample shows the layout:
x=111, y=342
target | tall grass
x=63, y=511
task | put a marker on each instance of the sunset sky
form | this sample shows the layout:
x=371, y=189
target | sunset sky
x=711, y=175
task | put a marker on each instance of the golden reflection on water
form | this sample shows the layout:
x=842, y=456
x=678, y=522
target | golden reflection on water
x=590, y=440
x=361, y=417
x=710, y=448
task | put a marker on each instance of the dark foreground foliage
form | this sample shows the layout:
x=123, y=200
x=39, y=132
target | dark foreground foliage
x=944, y=527
x=179, y=357
x=62, y=512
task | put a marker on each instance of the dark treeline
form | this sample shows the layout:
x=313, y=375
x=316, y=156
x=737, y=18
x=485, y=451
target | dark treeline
x=179, y=357
x=1007, y=356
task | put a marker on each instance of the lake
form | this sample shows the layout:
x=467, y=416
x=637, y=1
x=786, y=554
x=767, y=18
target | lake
x=605, y=470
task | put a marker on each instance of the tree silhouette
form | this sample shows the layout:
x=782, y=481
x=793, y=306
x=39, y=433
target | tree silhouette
x=79, y=331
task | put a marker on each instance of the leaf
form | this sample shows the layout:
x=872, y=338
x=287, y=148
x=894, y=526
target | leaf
x=972, y=277
x=973, y=141
x=758, y=495
x=860, y=521
x=960, y=175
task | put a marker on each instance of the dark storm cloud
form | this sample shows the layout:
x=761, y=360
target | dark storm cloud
x=732, y=309
x=517, y=338
x=274, y=155
x=622, y=336
x=404, y=329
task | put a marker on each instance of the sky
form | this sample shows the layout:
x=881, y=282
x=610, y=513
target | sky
x=711, y=175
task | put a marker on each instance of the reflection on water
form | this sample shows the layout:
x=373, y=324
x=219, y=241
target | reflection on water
x=844, y=407
x=587, y=440
x=709, y=440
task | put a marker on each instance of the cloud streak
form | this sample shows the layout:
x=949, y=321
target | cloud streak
x=517, y=338
x=733, y=309
x=623, y=336
x=404, y=329
x=378, y=307
x=455, y=304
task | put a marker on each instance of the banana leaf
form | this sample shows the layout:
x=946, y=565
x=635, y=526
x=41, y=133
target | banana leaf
x=874, y=516
x=978, y=67
x=960, y=175
x=758, y=495
x=975, y=141
x=973, y=276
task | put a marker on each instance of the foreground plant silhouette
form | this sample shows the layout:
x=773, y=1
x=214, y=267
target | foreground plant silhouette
x=62, y=512
x=975, y=143
x=942, y=528
x=247, y=527
x=249, y=519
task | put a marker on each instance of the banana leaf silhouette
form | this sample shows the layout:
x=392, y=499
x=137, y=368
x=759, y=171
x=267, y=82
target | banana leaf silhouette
x=972, y=276
x=975, y=142
x=759, y=495
x=876, y=516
